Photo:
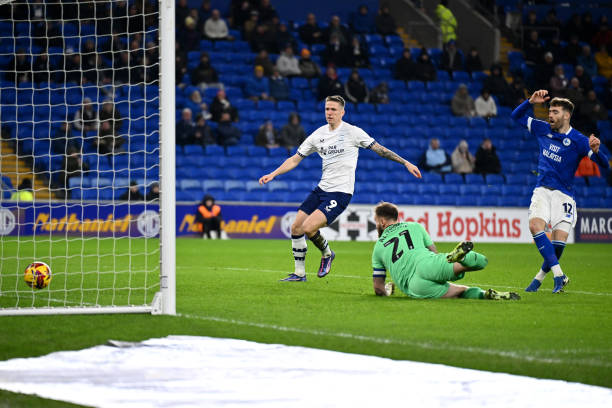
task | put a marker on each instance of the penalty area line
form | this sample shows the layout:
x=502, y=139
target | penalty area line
x=381, y=340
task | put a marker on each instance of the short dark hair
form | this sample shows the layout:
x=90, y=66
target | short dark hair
x=387, y=211
x=337, y=99
x=564, y=103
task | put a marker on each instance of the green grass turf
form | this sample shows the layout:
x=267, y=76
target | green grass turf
x=231, y=289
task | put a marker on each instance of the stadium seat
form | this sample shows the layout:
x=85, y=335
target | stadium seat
x=213, y=185
x=190, y=184
x=474, y=179
x=446, y=200
x=231, y=185
x=254, y=185
x=214, y=150
x=276, y=185
x=465, y=201
x=494, y=179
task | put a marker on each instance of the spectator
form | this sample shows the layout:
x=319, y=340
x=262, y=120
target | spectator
x=552, y=23
x=588, y=28
x=181, y=12
x=545, y=71
x=153, y=194
x=592, y=110
x=205, y=11
x=310, y=32
x=451, y=59
x=241, y=11
x=425, y=69
x=587, y=60
x=604, y=62
x=208, y=217
x=336, y=28
x=256, y=87
x=110, y=113
x=603, y=37
x=19, y=70
x=287, y=64
x=107, y=141
x=358, y=54
x=573, y=50
x=556, y=49
x=220, y=105
x=329, y=84
x=292, y=134
x=263, y=39
x=448, y=23
x=385, y=23
x=284, y=38
x=308, y=67
x=380, y=93
x=204, y=74
x=362, y=22
x=202, y=133
x=473, y=62
x=194, y=101
x=249, y=28
x=180, y=62
x=355, y=88
x=268, y=136
x=41, y=68
x=518, y=92
x=574, y=28
x=575, y=93
x=185, y=128
x=558, y=83
x=190, y=37
x=133, y=193
x=267, y=13
x=279, y=87
x=85, y=118
x=435, y=159
x=462, y=103
x=533, y=49
x=586, y=83
x=587, y=168
x=462, y=160
x=497, y=85
x=485, y=105
x=72, y=166
x=215, y=27
x=263, y=59
x=227, y=134
x=405, y=67
x=336, y=53
x=63, y=140
x=487, y=161
x=24, y=191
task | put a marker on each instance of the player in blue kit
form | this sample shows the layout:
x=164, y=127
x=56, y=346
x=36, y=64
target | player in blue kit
x=561, y=149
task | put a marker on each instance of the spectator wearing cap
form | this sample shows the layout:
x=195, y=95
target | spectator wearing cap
x=279, y=87
x=257, y=87
x=462, y=103
x=215, y=28
x=133, y=193
x=308, y=68
x=451, y=60
x=287, y=64
x=485, y=105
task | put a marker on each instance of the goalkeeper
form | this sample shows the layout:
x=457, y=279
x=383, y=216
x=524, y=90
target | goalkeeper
x=407, y=252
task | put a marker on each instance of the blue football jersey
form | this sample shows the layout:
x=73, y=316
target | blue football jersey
x=560, y=153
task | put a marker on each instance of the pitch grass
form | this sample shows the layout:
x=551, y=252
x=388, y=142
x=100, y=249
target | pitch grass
x=231, y=289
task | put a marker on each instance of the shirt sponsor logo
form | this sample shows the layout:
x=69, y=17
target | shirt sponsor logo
x=551, y=153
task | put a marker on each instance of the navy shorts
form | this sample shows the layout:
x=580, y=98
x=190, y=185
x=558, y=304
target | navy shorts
x=332, y=204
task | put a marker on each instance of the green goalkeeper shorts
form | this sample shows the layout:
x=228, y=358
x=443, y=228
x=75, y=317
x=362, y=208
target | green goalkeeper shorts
x=430, y=279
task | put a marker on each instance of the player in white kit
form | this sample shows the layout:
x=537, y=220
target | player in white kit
x=338, y=145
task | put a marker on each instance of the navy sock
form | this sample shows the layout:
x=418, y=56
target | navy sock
x=546, y=249
x=559, y=246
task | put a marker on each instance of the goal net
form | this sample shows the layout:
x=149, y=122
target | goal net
x=85, y=114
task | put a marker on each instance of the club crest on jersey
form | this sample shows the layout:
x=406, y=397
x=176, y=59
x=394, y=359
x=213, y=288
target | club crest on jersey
x=566, y=141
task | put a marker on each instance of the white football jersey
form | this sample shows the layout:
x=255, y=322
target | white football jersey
x=339, y=150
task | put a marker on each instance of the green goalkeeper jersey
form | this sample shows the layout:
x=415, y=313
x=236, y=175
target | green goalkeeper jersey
x=399, y=249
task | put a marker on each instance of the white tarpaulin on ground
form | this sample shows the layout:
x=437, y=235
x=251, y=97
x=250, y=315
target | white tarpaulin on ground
x=186, y=371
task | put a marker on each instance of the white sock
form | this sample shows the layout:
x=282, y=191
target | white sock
x=540, y=275
x=556, y=270
x=299, y=247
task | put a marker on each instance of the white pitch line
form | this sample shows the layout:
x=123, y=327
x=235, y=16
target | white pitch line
x=367, y=277
x=380, y=340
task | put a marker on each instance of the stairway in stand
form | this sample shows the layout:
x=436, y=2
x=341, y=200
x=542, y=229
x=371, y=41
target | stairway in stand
x=16, y=169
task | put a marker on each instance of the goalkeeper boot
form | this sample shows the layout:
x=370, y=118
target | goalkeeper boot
x=492, y=294
x=460, y=251
x=294, y=278
x=533, y=286
x=326, y=265
x=560, y=283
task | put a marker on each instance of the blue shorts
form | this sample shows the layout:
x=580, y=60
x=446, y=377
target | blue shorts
x=332, y=204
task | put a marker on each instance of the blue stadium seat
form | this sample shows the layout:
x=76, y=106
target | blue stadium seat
x=254, y=185
x=255, y=196
x=474, y=179
x=446, y=200
x=278, y=152
x=190, y=184
x=465, y=201
x=276, y=185
x=518, y=179
x=469, y=190
x=237, y=151
x=430, y=177
x=494, y=179
x=231, y=185
x=448, y=188
x=214, y=150
x=185, y=196
x=213, y=185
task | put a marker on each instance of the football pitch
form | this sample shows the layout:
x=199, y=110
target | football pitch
x=231, y=289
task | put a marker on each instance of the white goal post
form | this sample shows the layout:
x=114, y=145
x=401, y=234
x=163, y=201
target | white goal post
x=87, y=117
